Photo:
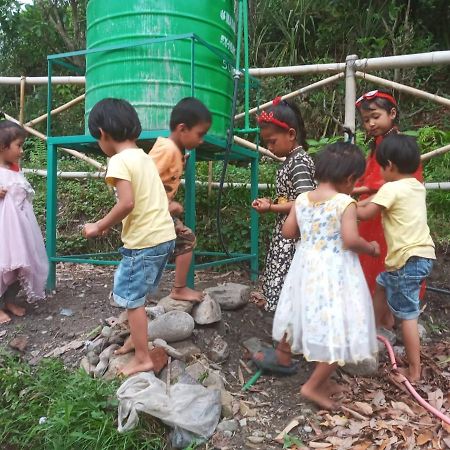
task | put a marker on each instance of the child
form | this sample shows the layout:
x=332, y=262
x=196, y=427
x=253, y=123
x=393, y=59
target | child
x=23, y=259
x=147, y=228
x=283, y=132
x=325, y=309
x=190, y=120
x=379, y=114
x=410, y=254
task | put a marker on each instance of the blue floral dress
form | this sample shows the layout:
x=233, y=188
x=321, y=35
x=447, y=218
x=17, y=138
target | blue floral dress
x=325, y=306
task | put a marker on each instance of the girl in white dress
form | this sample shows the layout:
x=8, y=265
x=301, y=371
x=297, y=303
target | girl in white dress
x=325, y=309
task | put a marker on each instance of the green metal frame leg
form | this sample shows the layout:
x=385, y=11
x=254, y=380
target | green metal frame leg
x=254, y=220
x=52, y=164
x=189, y=206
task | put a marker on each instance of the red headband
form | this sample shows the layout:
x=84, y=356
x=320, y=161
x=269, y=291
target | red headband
x=266, y=117
x=375, y=94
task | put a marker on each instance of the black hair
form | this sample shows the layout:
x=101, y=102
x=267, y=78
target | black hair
x=400, y=150
x=289, y=113
x=117, y=118
x=9, y=132
x=382, y=103
x=339, y=161
x=189, y=111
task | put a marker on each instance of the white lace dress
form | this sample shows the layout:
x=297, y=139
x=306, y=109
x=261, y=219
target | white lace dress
x=325, y=306
x=22, y=252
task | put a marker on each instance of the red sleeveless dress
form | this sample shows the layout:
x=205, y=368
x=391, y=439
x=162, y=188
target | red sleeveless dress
x=372, y=230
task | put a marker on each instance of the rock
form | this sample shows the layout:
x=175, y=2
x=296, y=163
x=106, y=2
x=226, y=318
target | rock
x=20, y=343
x=96, y=346
x=170, y=304
x=116, y=339
x=93, y=358
x=154, y=311
x=364, y=368
x=86, y=366
x=105, y=359
x=226, y=400
x=307, y=429
x=106, y=332
x=177, y=369
x=399, y=350
x=116, y=363
x=206, y=312
x=230, y=295
x=389, y=335
x=172, y=326
x=255, y=439
x=169, y=350
x=253, y=345
x=186, y=348
x=243, y=422
x=422, y=332
x=123, y=317
x=219, y=350
x=198, y=371
x=112, y=302
x=66, y=312
x=228, y=425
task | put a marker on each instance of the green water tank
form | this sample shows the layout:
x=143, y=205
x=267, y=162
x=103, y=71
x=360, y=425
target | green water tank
x=155, y=77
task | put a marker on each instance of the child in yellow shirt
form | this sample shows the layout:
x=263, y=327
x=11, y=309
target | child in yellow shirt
x=410, y=255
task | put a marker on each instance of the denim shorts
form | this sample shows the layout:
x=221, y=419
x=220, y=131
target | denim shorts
x=403, y=287
x=139, y=273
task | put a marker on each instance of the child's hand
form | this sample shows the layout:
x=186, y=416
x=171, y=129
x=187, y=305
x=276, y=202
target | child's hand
x=376, y=249
x=261, y=205
x=175, y=209
x=91, y=230
x=3, y=192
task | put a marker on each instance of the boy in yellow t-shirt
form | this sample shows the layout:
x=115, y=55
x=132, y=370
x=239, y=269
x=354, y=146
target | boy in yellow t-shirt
x=410, y=255
x=148, y=235
x=189, y=122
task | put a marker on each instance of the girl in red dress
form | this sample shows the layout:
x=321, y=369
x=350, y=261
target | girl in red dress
x=379, y=114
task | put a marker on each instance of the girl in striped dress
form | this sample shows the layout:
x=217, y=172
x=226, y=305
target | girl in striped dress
x=283, y=132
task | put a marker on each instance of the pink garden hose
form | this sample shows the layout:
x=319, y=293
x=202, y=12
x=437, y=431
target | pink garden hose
x=409, y=386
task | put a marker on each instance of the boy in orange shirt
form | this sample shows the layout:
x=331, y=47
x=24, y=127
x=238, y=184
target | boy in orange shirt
x=190, y=120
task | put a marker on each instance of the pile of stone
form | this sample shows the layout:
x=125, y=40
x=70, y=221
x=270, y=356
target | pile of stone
x=171, y=328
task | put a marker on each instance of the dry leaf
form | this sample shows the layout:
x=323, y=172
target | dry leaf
x=320, y=444
x=241, y=376
x=425, y=437
x=341, y=443
x=436, y=399
x=246, y=411
x=445, y=426
x=362, y=446
x=365, y=408
x=402, y=407
x=291, y=425
x=379, y=399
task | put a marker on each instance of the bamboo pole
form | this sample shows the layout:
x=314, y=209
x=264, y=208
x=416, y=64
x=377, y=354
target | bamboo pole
x=61, y=108
x=253, y=146
x=350, y=98
x=404, y=88
x=61, y=174
x=78, y=155
x=296, y=93
x=437, y=152
x=22, y=100
x=42, y=80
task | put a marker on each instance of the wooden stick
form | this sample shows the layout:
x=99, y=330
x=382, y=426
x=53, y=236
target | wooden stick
x=437, y=152
x=61, y=108
x=78, y=155
x=22, y=100
x=210, y=170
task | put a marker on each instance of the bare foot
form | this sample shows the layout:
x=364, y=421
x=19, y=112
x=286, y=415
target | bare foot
x=4, y=318
x=136, y=366
x=319, y=397
x=413, y=377
x=186, y=294
x=127, y=347
x=15, y=309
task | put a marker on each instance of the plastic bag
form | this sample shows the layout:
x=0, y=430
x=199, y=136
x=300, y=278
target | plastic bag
x=190, y=407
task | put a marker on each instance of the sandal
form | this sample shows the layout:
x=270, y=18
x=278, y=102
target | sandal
x=270, y=363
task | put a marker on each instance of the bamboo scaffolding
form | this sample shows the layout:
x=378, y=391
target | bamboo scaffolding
x=61, y=108
x=404, y=88
x=253, y=146
x=42, y=136
x=296, y=93
x=22, y=100
x=442, y=185
x=437, y=152
x=15, y=81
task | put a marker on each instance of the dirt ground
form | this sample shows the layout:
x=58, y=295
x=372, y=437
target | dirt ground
x=274, y=401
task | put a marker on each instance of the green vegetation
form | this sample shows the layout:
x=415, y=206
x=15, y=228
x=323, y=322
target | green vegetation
x=50, y=408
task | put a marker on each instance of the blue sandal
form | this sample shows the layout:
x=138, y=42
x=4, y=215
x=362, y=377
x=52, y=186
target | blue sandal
x=269, y=363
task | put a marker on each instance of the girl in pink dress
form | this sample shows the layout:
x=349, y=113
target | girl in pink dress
x=23, y=259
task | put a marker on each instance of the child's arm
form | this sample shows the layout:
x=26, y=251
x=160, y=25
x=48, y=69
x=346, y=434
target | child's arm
x=123, y=207
x=367, y=211
x=290, y=227
x=175, y=209
x=263, y=205
x=350, y=235
x=361, y=190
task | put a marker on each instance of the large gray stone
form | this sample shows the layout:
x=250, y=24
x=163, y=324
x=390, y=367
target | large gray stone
x=218, y=350
x=186, y=348
x=172, y=326
x=169, y=350
x=177, y=369
x=206, y=312
x=365, y=368
x=116, y=364
x=230, y=295
x=169, y=304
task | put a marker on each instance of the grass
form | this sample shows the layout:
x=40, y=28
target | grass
x=51, y=408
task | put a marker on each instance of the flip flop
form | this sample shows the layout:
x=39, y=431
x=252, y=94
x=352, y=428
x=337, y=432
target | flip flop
x=270, y=364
